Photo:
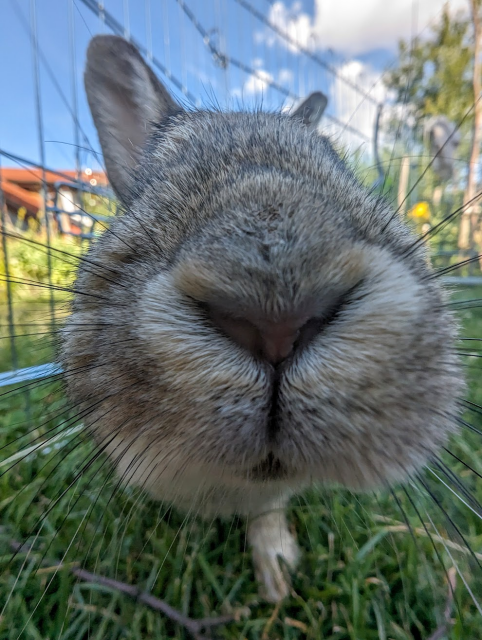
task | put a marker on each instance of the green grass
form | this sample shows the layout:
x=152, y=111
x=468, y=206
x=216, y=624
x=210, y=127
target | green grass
x=31, y=264
x=364, y=573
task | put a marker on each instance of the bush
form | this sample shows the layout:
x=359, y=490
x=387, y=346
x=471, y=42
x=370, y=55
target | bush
x=27, y=262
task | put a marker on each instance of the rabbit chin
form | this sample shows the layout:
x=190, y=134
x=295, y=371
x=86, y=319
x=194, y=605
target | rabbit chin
x=198, y=488
x=210, y=489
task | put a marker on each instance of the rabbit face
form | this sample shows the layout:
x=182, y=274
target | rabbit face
x=258, y=320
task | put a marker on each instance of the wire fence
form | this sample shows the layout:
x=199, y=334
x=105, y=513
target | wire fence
x=55, y=201
x=228, y=53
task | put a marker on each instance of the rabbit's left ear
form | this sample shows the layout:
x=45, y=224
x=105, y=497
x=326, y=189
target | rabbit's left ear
x=126, y=100
x=311, y=110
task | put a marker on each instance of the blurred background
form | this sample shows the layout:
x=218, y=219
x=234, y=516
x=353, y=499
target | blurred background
x=402, y=79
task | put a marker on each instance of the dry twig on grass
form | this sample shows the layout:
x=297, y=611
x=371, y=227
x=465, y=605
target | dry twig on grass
x=196, y=627
x=199, y=628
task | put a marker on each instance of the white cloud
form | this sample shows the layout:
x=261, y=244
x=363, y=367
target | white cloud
x=258, y=83
x=285, y=76
x=348, y=105
x=351, y=27
x=345, y=102
x=355, y=26
x=294, y=23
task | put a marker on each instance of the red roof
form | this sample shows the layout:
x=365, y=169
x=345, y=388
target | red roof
x=21, y=187
x=19, y=197
x=35, y=176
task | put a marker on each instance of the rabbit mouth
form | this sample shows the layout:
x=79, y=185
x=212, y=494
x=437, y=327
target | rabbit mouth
x=269, y=469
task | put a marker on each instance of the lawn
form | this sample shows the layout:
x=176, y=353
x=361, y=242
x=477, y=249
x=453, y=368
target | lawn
x=373, y=566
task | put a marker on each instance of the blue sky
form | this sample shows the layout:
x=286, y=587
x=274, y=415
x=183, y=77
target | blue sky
x=339, y=31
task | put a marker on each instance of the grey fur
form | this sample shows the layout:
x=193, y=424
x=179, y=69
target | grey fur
x=125, y=99
x=311, y=110
x=255, y=214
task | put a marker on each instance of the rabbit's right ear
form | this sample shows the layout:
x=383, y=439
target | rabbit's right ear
x=125, y=99
x=311, y=110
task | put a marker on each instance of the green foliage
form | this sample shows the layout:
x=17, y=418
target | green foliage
x=367, y=572
x=32, y=267
x=434, y=75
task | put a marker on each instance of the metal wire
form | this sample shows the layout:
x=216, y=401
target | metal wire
x=115, y=26
x=72, y=109
x=73, y=77
x=220, y=57
x=127, y=28
x=41, y=141
x=148, y=30
x=223, y=60
x=306, y=52
x=6, y=270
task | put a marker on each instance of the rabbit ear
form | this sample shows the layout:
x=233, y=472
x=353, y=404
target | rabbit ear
x=125, y=99
x=311, y=110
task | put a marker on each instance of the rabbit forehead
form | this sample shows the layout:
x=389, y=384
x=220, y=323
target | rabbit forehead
x=234, y=171
x=277, y=243
x=273, y=280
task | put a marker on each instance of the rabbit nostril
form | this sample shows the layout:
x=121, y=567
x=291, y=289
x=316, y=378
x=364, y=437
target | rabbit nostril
x=239, y=330
x=273, y=341
x=280, y=340
x=277, y=341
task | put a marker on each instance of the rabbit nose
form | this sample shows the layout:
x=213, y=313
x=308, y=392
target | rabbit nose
x=273, y=340
x=277, y=340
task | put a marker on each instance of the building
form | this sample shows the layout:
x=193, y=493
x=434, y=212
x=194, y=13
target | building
x=23, y=197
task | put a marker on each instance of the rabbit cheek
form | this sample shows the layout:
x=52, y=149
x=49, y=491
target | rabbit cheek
x=371, y=399
x=214, y=392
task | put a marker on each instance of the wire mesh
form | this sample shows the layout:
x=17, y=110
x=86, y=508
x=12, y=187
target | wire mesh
x=193, y=48
x=54, y=195
x=226, y=53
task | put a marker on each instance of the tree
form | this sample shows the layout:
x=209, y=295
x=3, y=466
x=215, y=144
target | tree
x=441, y=75
x=433, y=75
x=470, y=215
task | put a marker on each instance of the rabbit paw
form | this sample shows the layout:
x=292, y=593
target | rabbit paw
x=274, y=551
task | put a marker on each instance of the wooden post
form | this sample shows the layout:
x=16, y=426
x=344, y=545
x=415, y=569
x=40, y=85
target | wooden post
x=403, y=184
x=469, y=218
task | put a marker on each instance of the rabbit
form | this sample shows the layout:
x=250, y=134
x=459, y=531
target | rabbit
x=255, y=320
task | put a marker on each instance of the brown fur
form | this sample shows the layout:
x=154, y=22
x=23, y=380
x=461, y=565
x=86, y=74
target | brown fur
x=254, y=214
